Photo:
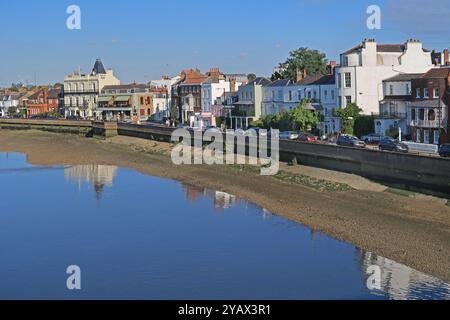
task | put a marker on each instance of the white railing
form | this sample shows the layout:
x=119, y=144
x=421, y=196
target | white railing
x=428, y=123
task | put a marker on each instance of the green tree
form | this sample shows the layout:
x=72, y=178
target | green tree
x=301, y=60
x=276, y=76
x=348, y=116
x=304, y=119
x=364, y=125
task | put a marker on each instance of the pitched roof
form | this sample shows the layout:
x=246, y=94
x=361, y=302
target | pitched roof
x=260, y=81
x=387, y=48
x=405, y=77
x=98, y=67
x=309, y=80
x=326, y=79
x=280, y=83
x=437, y=73
x=54, y=93
x=35, y=95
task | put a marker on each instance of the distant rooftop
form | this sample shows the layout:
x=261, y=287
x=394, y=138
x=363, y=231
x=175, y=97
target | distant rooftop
x=98, y=67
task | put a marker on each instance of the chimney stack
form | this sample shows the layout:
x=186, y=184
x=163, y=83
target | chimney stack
x=232, y=84
x=446, y=58
x=331, y=67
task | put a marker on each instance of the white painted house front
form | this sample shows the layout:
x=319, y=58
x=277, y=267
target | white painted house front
x=363, y=69
x=393, y=108
x=81, y=91
x=7, y=102
x=320, y=90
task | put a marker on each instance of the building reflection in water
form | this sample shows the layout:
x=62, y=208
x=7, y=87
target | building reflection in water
x=221, y=200
x=400, y=282
x=98, y=175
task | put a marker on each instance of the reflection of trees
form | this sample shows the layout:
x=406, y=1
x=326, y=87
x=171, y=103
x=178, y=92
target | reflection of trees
x=400, y=282
x=99, y=176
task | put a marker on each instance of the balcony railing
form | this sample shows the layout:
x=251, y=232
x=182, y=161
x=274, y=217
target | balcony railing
x=390, y=115
x=428, y=123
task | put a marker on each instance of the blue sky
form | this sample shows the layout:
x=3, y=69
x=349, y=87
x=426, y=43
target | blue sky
x=144, y=39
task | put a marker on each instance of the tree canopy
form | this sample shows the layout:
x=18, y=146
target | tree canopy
x=349, y=115
x=312, y=62
x=299, y=118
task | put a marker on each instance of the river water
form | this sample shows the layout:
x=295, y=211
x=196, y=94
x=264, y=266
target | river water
x=139, y=237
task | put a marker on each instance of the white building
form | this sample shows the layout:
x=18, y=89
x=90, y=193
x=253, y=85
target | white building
x=320, y=90
x=393, y=108
x=363, y=69
x=249, y=106
x=213, y=89
x=162, y=101
x=8, y=101
x=81, y=91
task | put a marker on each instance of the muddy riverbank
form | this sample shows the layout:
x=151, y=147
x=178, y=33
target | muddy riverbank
x=408, y=228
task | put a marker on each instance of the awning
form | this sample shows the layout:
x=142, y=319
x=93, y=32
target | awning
x=104, y=99
x=122, y=98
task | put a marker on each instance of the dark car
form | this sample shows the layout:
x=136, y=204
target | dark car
x=389, y=144
x=350, y=141
x=444, y=150
x=373, y=138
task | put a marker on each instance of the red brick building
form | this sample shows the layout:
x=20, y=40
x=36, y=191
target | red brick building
x=428, y=111
x=43, y=101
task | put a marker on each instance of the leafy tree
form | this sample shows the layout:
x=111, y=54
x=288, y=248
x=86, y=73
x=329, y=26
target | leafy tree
x=251, y=77
x=298, y=118
x=303, y=119
x=301, y=60
x=364, y=125
x=276, y=76
x=348, y=116
x=392, y=132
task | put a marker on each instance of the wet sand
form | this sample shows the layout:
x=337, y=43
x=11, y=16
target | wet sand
x=410, y=229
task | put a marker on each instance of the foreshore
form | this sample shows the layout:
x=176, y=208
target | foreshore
x=408, y=228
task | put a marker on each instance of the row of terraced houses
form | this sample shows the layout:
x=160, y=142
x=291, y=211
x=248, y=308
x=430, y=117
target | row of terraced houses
x=402, y=86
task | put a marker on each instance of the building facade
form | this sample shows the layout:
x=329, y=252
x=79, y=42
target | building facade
x=8, y=103
x=81, y=91
x=43, y=101
x=186, y=97
x=363, y=69
x=393, y=108
x=427, y=113
x=319, y=90
x=131, y=102
x=249, y=106
x=214, y=88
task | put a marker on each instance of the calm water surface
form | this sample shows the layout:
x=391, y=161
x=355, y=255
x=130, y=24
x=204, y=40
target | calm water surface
x=140, y=237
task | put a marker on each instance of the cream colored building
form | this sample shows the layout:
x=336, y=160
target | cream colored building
x=81, y=91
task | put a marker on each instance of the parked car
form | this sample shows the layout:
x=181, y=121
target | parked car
x=350, y=141
x=444, y=150
x=305, y=137
x=213, y=129
x=389, y=144
x=288, y=135
x=373, y=138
